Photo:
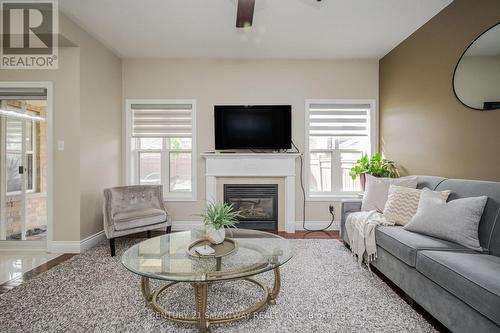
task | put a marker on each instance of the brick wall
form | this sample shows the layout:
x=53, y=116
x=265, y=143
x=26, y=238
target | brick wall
x=36, y=213
x=36, y=203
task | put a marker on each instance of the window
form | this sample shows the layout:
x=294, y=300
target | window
x=338, y=132
x=161, y=146
x=14, y=154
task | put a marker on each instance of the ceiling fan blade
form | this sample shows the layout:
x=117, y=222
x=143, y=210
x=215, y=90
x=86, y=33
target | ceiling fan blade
x=244, y=17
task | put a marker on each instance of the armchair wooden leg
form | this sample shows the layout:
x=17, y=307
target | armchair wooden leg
x=148, y=233
x=112, y=246
x=169, y=229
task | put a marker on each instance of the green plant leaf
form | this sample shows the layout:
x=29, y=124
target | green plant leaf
x=220, y=215
x=376, y=166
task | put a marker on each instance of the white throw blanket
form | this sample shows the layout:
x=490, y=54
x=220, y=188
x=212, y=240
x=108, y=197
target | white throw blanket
x=360, y=228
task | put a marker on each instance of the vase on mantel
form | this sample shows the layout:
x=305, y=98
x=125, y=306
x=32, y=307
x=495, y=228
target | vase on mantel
x=215, y=236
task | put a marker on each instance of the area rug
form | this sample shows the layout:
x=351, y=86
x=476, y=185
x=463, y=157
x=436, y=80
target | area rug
x=323, y=290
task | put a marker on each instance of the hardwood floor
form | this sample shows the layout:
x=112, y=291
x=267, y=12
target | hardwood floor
x=5, y=287
x=310, y=235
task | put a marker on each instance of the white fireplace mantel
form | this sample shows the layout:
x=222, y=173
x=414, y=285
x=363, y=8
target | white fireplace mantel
x=254, y=165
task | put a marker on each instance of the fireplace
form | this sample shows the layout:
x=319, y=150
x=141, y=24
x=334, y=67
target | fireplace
x=258, y=205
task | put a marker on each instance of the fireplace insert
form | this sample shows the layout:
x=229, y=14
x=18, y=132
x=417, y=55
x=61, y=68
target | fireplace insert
x=258, y=205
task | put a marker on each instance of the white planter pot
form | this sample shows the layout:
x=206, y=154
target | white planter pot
x=215, y=236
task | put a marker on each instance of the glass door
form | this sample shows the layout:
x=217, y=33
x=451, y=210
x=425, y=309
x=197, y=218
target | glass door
x=23, y=201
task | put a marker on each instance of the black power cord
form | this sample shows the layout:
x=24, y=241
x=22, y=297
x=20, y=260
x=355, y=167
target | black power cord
x=304, y=196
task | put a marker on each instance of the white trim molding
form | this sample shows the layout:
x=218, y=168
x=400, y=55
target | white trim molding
x=78, y=246
x=334, y=198
x=186, y=225
x=50, y=150
x=373, y=130
x=127, y=151
x=190, y=225
x=93, y=240
x=254, y=165
x=317, y=225
x=23, y=246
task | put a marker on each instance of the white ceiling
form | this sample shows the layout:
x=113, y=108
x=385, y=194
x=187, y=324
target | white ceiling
x=281, y=28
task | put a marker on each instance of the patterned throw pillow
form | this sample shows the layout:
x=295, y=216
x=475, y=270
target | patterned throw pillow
x=402, y=203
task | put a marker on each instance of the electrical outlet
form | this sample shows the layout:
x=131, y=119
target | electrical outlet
x=330, y=208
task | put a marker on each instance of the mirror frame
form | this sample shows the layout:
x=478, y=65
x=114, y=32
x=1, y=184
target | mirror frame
x=456, y=67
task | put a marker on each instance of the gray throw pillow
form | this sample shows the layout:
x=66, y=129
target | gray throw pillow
x=377, y=189
x=456, y=221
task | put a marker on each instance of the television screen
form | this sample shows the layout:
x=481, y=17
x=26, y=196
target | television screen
x=248, y=127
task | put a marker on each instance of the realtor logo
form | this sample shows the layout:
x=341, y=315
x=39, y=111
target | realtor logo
x=29, y=31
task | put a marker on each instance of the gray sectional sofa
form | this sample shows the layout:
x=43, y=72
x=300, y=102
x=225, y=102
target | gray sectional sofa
x=458, y=286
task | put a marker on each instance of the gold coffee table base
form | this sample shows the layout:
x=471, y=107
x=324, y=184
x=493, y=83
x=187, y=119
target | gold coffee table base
x=201, y=319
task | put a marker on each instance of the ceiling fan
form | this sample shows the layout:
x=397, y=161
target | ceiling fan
x=244, y=16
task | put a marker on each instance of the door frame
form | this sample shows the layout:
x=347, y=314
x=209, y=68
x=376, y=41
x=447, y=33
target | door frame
x=34, y=245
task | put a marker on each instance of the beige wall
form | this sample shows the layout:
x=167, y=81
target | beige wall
x=213, y=82
x=423, y=126
x=66, y=165
x=100, y=124
x=87, y=116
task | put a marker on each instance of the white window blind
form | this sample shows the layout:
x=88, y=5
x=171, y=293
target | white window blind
x=338, y=133
x=162, y=120
x=339, y=120
x=23, y=93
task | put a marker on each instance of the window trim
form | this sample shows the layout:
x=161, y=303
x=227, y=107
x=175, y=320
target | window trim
x=127, y=153
x=26, y=153
x=374, y=142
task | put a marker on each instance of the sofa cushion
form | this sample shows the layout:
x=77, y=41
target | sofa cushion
x=136, y=197
x=138, y=218
x=404, y=245
x=473, y=278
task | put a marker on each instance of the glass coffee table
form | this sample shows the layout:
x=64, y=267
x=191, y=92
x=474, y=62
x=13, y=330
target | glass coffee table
x=172, y=258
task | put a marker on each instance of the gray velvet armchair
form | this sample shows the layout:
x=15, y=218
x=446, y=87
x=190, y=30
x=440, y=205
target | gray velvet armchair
x=132, y=209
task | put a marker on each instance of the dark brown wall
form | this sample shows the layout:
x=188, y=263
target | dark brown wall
x=423, y=126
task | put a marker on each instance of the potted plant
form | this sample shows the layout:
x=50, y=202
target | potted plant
x=217, y=216
x=376, y=166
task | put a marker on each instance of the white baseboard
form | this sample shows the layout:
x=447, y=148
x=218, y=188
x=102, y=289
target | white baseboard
x=77, y=246
x=65, y=247
x=189, y=225
x=23, y=246
x=186, y=225
x=314, y=225
x=91, y=241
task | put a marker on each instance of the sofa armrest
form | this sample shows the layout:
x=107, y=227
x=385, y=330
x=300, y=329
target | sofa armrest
x=348, y=206
x=351, y=205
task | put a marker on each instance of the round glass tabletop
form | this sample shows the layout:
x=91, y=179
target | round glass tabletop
x=166, y=257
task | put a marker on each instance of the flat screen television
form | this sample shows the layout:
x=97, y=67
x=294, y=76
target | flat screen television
x=253, y=127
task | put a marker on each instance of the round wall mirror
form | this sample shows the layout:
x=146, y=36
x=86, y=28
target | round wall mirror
x=476, y=81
